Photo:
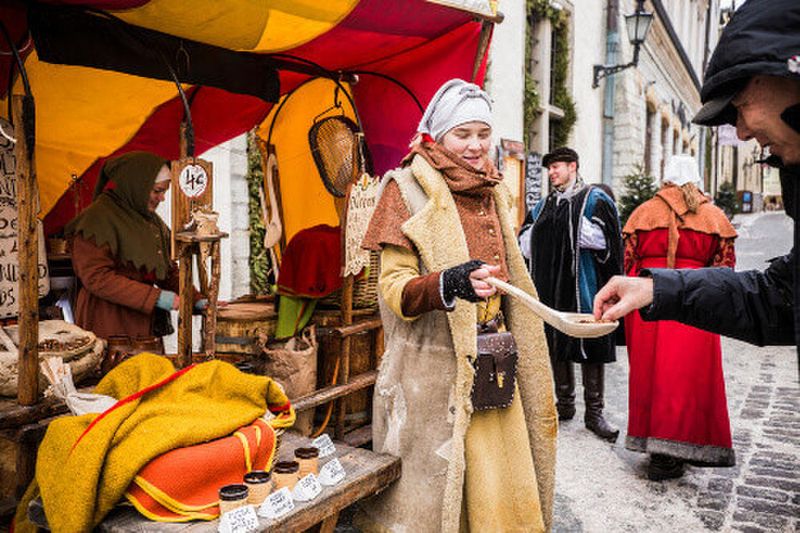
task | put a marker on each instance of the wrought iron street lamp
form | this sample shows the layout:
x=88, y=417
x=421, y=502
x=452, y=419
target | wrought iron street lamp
x=637, y=26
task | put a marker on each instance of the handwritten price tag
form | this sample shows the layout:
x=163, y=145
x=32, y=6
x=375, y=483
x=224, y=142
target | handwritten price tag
x=277, y=504
x=332, y=473
x=307, y=488
x=240, y=520
x=325, y=445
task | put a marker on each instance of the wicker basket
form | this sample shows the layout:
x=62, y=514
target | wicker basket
x=365, y=289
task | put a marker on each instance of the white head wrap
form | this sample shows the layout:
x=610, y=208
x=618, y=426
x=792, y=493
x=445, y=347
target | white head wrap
x=456, y=102
x=163, y=174
x=682, y=169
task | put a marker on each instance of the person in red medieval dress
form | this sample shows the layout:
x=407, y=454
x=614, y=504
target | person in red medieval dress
x=677, y=406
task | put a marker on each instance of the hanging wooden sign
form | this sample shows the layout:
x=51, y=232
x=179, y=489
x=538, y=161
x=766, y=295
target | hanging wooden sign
x=192, y=188
x=9, y=224
x=360, y=205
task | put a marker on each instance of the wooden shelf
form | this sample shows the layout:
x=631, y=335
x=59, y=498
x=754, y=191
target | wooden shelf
x=368, y=473
x=190, y=237
x=326, y=394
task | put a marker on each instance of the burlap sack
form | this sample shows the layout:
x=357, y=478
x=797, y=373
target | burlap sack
x=293, y=364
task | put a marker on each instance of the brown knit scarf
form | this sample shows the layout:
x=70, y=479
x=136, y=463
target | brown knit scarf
x=461, y=177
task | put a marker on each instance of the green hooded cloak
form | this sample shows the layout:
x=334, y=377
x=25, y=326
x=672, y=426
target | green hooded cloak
x=119, y=217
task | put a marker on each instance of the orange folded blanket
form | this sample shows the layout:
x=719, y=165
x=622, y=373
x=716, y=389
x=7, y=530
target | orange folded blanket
x=182, y=484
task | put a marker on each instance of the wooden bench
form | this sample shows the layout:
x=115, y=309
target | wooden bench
x=367, y=473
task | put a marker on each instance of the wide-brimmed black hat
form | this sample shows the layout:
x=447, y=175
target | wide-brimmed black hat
x=567, y=155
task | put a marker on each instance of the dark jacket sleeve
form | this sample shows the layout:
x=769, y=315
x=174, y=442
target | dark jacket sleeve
x=752, y=306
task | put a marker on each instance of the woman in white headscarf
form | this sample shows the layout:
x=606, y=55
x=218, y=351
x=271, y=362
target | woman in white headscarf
x=443, y=225
x=677, y=406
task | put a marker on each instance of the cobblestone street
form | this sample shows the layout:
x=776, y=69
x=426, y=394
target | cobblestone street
x=603, y=487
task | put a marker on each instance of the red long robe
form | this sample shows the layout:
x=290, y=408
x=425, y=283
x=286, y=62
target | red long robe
x=677, y=403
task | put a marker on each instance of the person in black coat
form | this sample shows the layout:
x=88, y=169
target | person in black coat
x=752, y=82
x=573, y=244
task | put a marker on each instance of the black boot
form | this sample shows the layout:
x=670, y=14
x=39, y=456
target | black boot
x=663, y=467
x=593, y=396
x=564, y=376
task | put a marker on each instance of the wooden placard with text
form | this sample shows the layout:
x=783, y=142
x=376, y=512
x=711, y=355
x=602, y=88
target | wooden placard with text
x=9, y=232
x=192, y=187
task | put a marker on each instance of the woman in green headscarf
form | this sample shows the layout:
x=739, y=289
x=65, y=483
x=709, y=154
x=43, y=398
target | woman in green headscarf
x=121, y=253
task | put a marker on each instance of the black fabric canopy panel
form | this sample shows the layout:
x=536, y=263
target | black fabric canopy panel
x=74, y=36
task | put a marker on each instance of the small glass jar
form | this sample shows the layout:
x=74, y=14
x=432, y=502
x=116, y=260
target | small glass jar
x=232, y=497
x=308, y=458
x=259, y=484
x=285, y=474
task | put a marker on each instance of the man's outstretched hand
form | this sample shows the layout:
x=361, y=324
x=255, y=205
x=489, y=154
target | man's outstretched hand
x=621, y=295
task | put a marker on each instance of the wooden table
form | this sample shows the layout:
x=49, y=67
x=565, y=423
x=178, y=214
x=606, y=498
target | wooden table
x=367, y=473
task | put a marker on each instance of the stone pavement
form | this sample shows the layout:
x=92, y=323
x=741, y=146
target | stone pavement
x=603, y=487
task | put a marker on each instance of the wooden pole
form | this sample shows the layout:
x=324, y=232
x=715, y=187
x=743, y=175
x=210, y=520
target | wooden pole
x=210, y=328
x=347, y=343
x=483, y=44
x=185, y=306
x=28, y=246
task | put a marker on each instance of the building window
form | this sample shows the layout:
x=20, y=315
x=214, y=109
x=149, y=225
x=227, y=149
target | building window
x=665, y=150
x=648, y=142
x=549, y=111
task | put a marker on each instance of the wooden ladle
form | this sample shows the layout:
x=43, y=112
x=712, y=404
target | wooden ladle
x=580, y=325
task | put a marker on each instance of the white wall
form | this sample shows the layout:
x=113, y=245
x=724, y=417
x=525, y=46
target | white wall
x=230, y=201
x=588, y=49
x=506, y=75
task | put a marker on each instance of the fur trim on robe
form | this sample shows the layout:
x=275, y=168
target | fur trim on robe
x=422, y=406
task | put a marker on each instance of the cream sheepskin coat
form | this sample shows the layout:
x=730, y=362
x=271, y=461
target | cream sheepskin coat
x=422, y=406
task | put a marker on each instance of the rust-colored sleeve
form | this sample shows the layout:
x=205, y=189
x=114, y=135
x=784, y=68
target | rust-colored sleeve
x=407, y=293
x=98, y=273
x=421, y=294
x=389, y=215
x=725, y=256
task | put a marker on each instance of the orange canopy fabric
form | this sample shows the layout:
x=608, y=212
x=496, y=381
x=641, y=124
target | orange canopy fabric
x=85, y=115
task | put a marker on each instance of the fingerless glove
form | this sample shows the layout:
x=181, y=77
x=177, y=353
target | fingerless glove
x=456, y=283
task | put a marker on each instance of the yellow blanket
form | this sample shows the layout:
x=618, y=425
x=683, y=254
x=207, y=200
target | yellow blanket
x=85, y=463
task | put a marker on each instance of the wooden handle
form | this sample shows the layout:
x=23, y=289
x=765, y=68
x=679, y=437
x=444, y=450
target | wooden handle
x=550, y=316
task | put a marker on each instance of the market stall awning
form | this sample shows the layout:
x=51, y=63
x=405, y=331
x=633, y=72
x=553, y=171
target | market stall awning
x=86, y=114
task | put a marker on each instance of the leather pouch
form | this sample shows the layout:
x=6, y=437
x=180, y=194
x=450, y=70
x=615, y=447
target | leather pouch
x=495, y=371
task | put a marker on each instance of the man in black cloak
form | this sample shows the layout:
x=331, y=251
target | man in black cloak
x=573, y=242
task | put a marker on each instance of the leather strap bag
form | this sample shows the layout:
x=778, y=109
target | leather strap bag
x=495, y=370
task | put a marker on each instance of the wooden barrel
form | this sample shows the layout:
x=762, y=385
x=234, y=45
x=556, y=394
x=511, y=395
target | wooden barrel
x=239, y=325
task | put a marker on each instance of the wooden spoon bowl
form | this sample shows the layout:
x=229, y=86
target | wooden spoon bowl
x=580, y=325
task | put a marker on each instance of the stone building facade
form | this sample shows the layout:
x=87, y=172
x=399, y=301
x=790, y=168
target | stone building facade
x=636, y=119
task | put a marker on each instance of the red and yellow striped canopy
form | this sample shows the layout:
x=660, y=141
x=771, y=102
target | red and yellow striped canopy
x=85, y=115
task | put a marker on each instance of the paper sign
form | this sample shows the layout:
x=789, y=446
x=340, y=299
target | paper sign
x=193, y=180
x=307, y=488
x=332, y=473
x=9, y=231
x=240, y=520
x=325, y=445
x=277, y=504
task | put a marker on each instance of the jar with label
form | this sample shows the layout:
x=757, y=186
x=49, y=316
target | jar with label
x=285, y=474
x=232, y=497
x=308, y=458
x=259, y=484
